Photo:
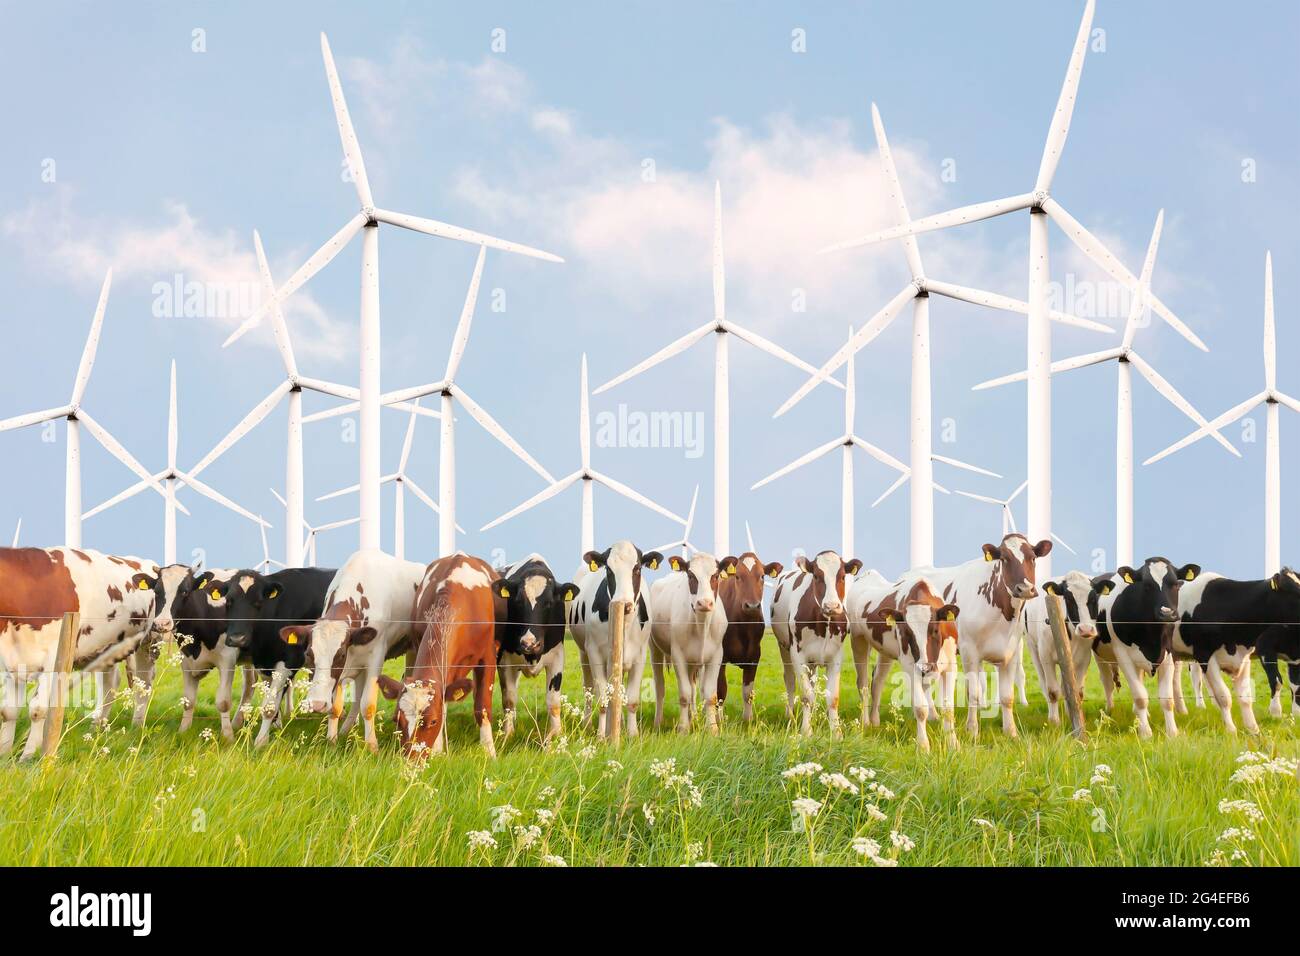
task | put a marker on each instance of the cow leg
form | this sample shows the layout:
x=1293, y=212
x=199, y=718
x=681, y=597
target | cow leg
x=39, y=706
x=1198, y=684
x=807, y=696
x=368, y=708
x=1109, y=676
x=748, y=673
x=633, y=672
x=722, y=690
x=246, y=695
x=271, y=705
x=657, y=668
x=1020, y=676
x=974, y=669
x=791, y=680
x=1274, y=676
x=1293, y=673
x=192, y=673
x=871, y=713
x=1049, y=679
x=554, y=661
x=862, y=670
x=1137, y=688
x=1167, y=678
x=920, y=706
x=1246, y=696
x=509, y=700
x=1222, y=696
x=484, y=675
x=11, y=702
x=948, y=690
x=1176, y=688
x=225, y=682
x=833, y=695
x=354, y=711
x=685, y=692
x=709, y=680
x=588, y=687
x=142, y=667
x=1007, y=694
x=336, y=711
x=105, y=692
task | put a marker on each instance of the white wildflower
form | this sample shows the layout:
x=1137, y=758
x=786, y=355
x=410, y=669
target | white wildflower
x=551, y=859
x=802, y=770
x=806, y=807
x=837, y=781
x=902, y=841
x=481, y=840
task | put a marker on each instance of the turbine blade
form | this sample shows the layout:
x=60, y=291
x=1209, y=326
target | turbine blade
x=330, y=388
x=1064, y=365
x=1142, y=294
x=173, y=433
x=334, y=412
x=910, y=247
x=428, y=501
x=964, y=466
x=92, y=342
x=249, y=421
x=985, y=498
x=898, y=483
x=1060, y=127
x=749, y=538
x=619, y=488
x=774, y=350
x=1270, y=332
x=442, y=230
x=1171, y=395
x=545, y=494
x=118, y=498
x=496, y=431
x=880, y=455
x=209, y=492
x=35, y=418
x=1057, y=538
x=461, y=338
x=1288, y=401
x=719, y=268
x=1020, y=489
x=18, y=530
x=341, y=523
x=690, y=515
x=878, y=323
x=413, y=391
x=799, y=462
x=584, y=419
x=1231, y=415
x=279, y=330
x=114, y=448
x=340, y=492
x=667, y=352
x=347, y=135
x=994, y=300
x=278, y=498
x=406, y=442
x=943, y=220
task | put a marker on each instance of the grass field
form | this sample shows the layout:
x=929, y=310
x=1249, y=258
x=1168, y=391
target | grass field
x=124, y=796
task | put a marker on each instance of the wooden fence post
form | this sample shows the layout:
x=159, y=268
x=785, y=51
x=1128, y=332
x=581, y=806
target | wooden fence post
x=1073, y=706
x=617, y=622
x=59, y=685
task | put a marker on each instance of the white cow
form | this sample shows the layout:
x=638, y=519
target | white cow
x=687, y=624
x=612, y=575
x=368, y=618
x=810, y=624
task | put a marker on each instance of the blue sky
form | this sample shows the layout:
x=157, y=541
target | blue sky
x=165, y=160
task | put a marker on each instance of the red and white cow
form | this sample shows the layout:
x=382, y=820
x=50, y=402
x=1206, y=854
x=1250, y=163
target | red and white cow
x=687, y=624
x=456, y=610
x=990, y=592
x=369, y=617
x=914, y=627
x=742, y=644
x=117, y=599
x=810, y=624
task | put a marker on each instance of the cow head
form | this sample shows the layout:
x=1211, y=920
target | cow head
x=1151, y=594
x=533, y=621
x=623, y=562
x=1080, y=596
x=926, y=630
x=746, y=585
x=828, y=571
x=329, y=640
x=141, y=594
x=418, y=713
x=249, y=597
x=1286, y=583
x=1015, y=557
x=703, y=574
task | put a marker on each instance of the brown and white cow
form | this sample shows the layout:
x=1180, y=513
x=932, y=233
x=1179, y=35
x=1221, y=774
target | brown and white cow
x=990, y=591
x=810, y=625
x=742, y=644
x=457, y=651
x=117, y=599
x=914, y=626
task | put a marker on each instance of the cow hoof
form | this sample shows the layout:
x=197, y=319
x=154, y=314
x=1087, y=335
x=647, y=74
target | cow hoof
x=261, y=742
x=228, y=735
x=372, y=746
x=954, y=742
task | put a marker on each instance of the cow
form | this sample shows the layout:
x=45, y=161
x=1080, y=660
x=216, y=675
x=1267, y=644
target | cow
x=1221, y=622
x=455, y=608
x=810, y=624
x=1136, y=610
x=687, y=624
x=1281, y=642
x=194, y=615
x=990, y=592
x=1080, y=597
x=530, y=634
x=914, y=627
x=367, y=618
x=261, y=611
x=612, y=575
x=116, y=597
x=742, y=643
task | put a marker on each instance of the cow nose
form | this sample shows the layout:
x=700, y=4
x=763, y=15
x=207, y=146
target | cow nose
x=753, y=605
x=832, y=607
x=1167, y=614
x=925, y=668
x=704, y=604
x=1026, y=590
x=530, y=645
x=1086, y=630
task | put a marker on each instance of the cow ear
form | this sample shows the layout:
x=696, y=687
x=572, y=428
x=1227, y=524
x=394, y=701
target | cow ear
x=1051, y=587
x=676, y=562
x=390, y=688
x=1103, y=584
x=296, y=634
x=594, y=560
x=201, y=582
x=1189, y=572
x=1126, y=574
x=773, y=569
x=853, y=567
x=501, y=588
x=801, y=562
x=567, y=591
x=889, y=620
x=271, y=592
x=949, y=612
x=1043, y=548
x=361, y=636
x=728, y=565
x=651, y=560
x=992, y=552
x=1272, y=582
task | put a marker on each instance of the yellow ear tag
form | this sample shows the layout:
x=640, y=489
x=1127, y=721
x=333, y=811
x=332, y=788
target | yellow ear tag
x=987, y=556
x=889, y=620
x=952, y=615
x=593, y=565
x=1273, y=583
x=772, y=573
x=1191, y=575
x=1128, y=579
x=292, y=639
x=568, y=594
x=216, y=594
x=505, y=592
x=654, y=565
x=144, y=585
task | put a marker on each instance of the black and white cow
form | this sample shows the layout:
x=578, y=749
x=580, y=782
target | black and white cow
x=1222, y=621
x=1136, y=612
x=262, y=611
x=530, y=634
x=612, y=575
x=1281, y=642
x=1080, y=598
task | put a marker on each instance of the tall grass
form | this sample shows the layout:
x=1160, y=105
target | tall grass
x=122, y=796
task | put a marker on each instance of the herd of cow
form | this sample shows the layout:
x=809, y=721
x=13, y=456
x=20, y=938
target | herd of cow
x=458, y=621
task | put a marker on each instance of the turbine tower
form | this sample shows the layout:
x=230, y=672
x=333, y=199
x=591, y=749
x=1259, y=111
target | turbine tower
x=1126, y=359
x=171, y=478
x=589, y=477
x=76, y=417
x=721, y=329
x=1042, y=206
x=919, y=292
x=1271, y=398
x=367, y=222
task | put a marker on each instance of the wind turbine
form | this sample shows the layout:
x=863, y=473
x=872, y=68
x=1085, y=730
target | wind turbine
x=589, y=477
x=267, y=561
x=169, y=477
x=1126, y=359
x=18, y=528
x=366, y=222
x=76, y=417
x=721, y=328
x=1042, y=206
x=918, y=291
x=401, y=480
x=846, y=442
x=308, y=544
x=1271, y=398
x=1008, y=517
x=449, y=389
x=684, y=542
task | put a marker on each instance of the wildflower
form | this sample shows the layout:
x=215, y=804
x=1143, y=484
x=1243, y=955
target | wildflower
x=546, y=793
x=612, y=768
x=503, y=816
x=87, y=736
x=883, y=861
x=648, y=811
x=587, y=752
x=1256, y=771
x=694, y=851
x=705, y=863
x=902, y=841
x=207, y=735
x=806, y=807
x=1245, y=807
x=875, y=813
x=545, y=817
x=1082, y=794
x=1233, y=834
x=981, y=822
x=802, y=770
x=865, y=846
x=527, y=836
x=551, y=859
x=1102, y=770
x=191, y=771
x=862, y=774
x=481, y=840
x=881, y=791
x=1252, y=756
x=837, y=781
x=490, y=785
x=662, y=769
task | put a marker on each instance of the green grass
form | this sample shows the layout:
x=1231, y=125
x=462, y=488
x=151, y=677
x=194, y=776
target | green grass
x=157, y=797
